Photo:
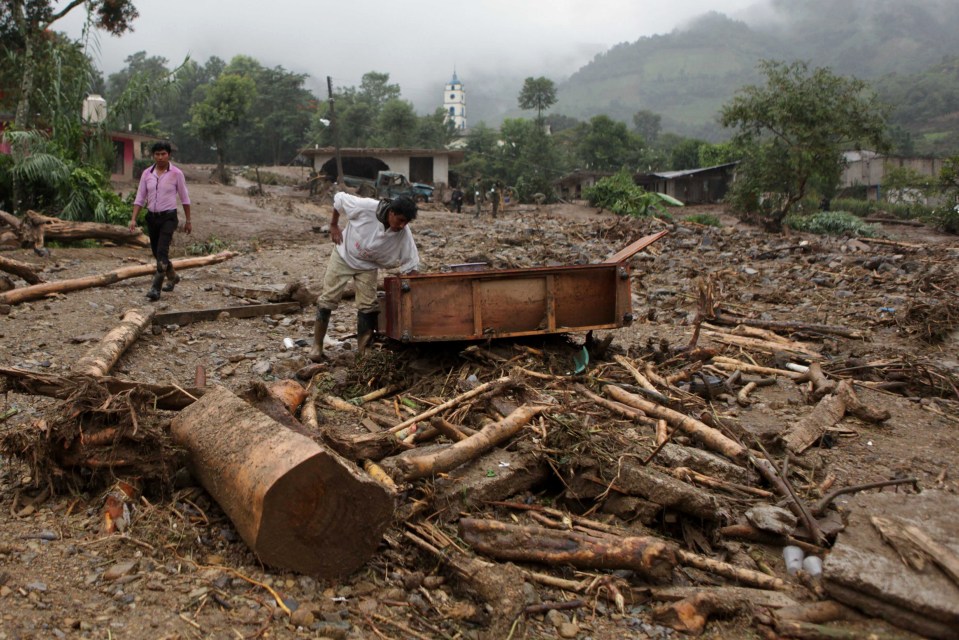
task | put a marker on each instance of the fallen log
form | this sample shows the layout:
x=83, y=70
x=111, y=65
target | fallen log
x=105, y=354
x=488, y=437
x=790, y=326
x=710, y=437
x=296, y=504
x=731, y=364
x=168, y=397
x=22, y=269
x=830, y=410
x=649, y=556
x=57, y=229
x=203, y=315
x=37, y=291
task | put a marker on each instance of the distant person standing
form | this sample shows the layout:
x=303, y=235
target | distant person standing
x=494, y=199
x=478, y=200
x=160, y=186
x=456, y=199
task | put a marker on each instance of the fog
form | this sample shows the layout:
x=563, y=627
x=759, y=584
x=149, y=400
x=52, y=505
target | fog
x=419, y=44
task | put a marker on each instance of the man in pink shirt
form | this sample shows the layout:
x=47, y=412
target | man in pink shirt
x=160, y=186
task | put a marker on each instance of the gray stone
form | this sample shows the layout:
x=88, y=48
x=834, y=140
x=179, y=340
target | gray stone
x=866, y=573
x=771, y=518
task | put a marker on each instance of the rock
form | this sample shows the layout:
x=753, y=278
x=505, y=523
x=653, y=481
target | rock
x=262, y=367
x=119, y=570
x=556, y=618
x=773, y=519
x=302, y=617
x=568, y=630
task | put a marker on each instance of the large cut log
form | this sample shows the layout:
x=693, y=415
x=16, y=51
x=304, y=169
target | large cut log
x=469, y=448
x=38, y=291
x=296, y=504
x=167, y=397
x=105, y=354
x=647, y=555
x=57, y=229
x=22, y=269
x=710, y=437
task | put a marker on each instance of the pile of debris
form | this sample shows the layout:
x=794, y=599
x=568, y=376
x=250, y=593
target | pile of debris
x=545, y=476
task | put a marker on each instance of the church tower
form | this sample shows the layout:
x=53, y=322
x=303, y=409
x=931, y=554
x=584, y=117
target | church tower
x=454, y=102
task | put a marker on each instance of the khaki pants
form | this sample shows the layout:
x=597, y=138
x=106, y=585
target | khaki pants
x=338, y=276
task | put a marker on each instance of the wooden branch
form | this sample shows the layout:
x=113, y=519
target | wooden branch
x=641, y=380
x=791, y=326
x=765, y=346
x=616, y=407
x=745, y=531
x=440, y=408
x=37, y=291
x=820, y=507
x=731, y=364
x=739, y=574
x=99, y=360
x=797, y=506
x=647, y=555
x=22, y=269
x=821, y=385
x=489, y=436
x=710, y=437
x=689, y=475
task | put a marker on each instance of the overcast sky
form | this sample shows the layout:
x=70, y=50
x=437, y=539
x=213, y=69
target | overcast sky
x=418, y=42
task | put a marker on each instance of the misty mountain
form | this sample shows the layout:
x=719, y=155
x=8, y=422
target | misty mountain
x=687, y=75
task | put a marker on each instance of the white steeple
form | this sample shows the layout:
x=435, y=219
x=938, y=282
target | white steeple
x=454, y=102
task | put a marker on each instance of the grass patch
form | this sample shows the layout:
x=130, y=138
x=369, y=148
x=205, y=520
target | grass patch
x=706, y=219
x=208, y=247
x=832, y=223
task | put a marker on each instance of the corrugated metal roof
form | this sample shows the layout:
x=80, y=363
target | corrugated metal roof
x=669, y=175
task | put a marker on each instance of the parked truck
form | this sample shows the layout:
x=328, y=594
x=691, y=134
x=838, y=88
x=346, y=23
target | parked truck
x=390, y=184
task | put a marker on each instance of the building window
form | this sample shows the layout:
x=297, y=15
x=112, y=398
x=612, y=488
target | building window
x=452, y=111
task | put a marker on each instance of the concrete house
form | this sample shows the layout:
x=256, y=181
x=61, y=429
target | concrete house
x=693, y=186
x=431, y=166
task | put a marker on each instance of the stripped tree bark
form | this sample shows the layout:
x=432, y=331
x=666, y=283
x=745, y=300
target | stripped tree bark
x=37, y=291
x=105, y=354
x=57, y=229
x=22, y=269
x=469, y=448
x=650, y=556
x=830, y=410
x=710, y=437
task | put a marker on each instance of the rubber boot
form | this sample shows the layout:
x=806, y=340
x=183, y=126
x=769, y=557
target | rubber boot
x=319, y=333
x=366, y=322
x=172, y=279
x=154, y=293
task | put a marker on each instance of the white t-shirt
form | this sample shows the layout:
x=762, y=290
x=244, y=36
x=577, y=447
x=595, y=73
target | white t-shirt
x=367, y=243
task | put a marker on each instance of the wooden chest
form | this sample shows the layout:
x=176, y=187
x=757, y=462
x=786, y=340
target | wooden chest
x=500, y=303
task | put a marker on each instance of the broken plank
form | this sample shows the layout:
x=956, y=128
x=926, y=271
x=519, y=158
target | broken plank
x=245, y=311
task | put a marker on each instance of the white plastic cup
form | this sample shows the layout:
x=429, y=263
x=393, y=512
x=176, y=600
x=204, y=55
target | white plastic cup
x=794, y=559
x=812, y=565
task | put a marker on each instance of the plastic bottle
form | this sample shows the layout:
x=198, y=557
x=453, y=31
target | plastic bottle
x=794, y=559
x=812, y=565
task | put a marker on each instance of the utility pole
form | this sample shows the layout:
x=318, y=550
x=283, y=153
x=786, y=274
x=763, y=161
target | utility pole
x=336, y=132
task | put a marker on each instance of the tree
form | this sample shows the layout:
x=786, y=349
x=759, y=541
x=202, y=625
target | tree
x=648, y=125
x=395, y=124
x=376, y=90
x=224, y=107
x=25, y=23
x=537, y=93
x=792, y=132
x=607, y=145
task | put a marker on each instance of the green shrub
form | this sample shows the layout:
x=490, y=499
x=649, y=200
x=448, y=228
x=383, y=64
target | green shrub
x=140, y=165
x=831, y=223
x=706, y=219
x=855, y=206
x=619, y=194
x=946, y=219
x=210, y=246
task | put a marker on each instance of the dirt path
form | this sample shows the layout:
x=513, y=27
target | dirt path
x=181, y=572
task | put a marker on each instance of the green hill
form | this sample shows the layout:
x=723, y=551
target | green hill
x=687, y=75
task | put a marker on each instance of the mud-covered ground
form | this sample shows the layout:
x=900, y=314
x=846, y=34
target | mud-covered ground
x=179, y=569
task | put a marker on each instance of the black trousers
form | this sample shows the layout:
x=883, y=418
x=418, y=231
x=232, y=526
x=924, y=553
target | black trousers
x=161, y=225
